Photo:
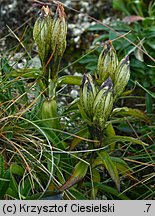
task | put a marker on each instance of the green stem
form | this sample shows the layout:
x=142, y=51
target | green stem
x=52, y=88
x=69, y=79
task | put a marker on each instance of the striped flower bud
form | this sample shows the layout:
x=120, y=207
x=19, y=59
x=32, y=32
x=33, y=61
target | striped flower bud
x=50, y=37
x=107, y=62
x=42, y=34
x=122, y=76
x=87, y=95
x=103, y=104
x=58, y=39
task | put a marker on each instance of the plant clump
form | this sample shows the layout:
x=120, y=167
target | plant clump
x=96, y=102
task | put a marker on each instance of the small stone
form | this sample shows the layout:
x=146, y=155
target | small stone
x=74, y=93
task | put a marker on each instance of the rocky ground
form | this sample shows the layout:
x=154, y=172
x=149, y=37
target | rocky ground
x=15, y=13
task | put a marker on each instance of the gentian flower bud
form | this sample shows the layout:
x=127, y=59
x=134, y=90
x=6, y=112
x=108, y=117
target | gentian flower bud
x=42, y=34
x=87, y=95
x=122, y=76
x=107, y=62
x=58, y=39
x=103, y=104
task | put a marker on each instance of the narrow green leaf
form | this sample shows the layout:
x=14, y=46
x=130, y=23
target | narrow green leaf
x=4, y=66
x=25, y=188
x=16, y=169
x=149, y=103
x=13, y=188
x=120, y=5
x=77, y=194
x=78, y=174
x=1, y=166
x=3, y=179
x=152, y=94
x=53, y=137
x=111, y=168
x=109, y=141
x=121, y=165
x=73, y=105
x=107, y=189
x=77, y=140
x=72, y=80
x=5, y=184
x=26, y=73
x=128, y=92
x=97, y=162
x=97, y=27
x=95, y=178
x=110, y=132
x=125, y=111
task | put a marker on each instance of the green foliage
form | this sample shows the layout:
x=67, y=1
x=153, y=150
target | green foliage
x=53, y=151
x=110, y=166
x=140, y=7
x=139, y=30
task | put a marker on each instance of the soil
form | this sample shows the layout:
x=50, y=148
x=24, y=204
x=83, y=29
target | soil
x=15, y=13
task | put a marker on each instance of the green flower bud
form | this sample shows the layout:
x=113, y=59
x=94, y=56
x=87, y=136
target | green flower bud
x=96, y=104
x=122, y=76
x=103, y=104
x=42, y=34
x=58, y=39
x=49, y=113
x=50, y=37
x=87, y=95
x=107, y=62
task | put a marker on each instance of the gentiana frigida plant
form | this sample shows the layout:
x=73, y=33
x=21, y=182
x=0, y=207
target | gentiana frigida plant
x=98, y=96
x=96, y=105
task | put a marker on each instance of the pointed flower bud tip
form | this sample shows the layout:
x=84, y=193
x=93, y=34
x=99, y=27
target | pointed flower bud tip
x=107, y=84
x=109, y=42
x=107, y=62
x=60, y=11
x=45, y=11
x=89, y=86
x=84, y=78
x=108, y=46
x=126, y=60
